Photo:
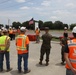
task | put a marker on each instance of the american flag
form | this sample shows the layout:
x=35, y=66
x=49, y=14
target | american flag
x=31, y=21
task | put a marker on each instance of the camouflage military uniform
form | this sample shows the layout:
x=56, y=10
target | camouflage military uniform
x=45, y=47
x=63, y=42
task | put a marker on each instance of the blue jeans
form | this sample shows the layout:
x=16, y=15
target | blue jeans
x=25, y=59
x=69, y=72
x=2, y=59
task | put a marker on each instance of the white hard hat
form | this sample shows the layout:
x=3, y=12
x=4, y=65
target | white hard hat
x=23, y=28
x=74, y=30
x=10, y=27
x=5, y=30
x=65, y=27
x=2, y=28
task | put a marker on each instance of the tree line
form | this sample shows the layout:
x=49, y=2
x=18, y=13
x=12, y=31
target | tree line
x=57, y=25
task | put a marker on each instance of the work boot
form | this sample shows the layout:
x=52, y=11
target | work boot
x=47, y=64
x=40, y=62
x=27, y=71
x=8, y=70
x=19, y=71
x=1, y=70
x=62, y=63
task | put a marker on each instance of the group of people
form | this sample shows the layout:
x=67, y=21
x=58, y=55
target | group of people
x=22, y=46
x=68, y=50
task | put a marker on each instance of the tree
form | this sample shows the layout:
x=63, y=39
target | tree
x=72, y=25
x=1, y=25
x=58, y=25
x=16, y=24
x=48, y=24
x=7, y=26
x=40, y=24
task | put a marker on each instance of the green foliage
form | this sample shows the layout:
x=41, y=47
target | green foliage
x=1, y=25
x=72, y=25
x=57, y=25
x=16, y=24
x=48, y=24
x=40, y=23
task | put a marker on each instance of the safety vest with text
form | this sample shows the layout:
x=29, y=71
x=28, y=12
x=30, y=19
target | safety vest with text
x=3, y=42
x=72, y=53
x=21, y=44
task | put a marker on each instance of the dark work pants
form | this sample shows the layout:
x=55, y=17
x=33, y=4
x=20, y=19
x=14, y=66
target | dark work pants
x=11, y=36
x=25, y=59
x=37, y=38
x=44, y=51
x=69, y=72
x=62, y=55
x=7, y=60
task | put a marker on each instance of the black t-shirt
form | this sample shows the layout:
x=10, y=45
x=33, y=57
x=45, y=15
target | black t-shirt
x=66, y=49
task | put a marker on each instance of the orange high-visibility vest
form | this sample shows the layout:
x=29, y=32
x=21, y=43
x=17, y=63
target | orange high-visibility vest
x=72, y=53
x=10, y=31
x=37, y=32
x=20, y=44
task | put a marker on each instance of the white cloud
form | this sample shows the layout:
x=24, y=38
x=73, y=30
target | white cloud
x=20, y=1
x=72, y=5
x=25, y=7
x=53, y=17
x=46, y=3
x=61, y=12
x=31, y=3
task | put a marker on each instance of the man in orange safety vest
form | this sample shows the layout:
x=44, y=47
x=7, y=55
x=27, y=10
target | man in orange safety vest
x=22, y=45
x=70, y=55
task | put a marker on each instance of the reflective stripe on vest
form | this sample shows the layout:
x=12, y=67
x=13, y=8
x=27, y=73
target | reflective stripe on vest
x=23, y=43
x=72, y=53
x=3, y=41
x=73, y=61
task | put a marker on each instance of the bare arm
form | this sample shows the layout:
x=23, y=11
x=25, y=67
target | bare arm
x=61, y=44
x=68, y=62
x=27, y=47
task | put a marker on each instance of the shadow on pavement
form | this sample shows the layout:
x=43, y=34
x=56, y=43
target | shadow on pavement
x=15, y=72
x=38, y=65
x=4, y=71
x=59, y=64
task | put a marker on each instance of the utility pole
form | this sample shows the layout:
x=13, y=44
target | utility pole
x=8, y=22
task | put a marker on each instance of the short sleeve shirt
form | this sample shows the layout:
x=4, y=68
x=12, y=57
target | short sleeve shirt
x=66, y=49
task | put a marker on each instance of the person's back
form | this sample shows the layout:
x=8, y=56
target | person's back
x=70, y=55
x=46, y=40
x=22, y=45
x=45, y=47
x=4, y=50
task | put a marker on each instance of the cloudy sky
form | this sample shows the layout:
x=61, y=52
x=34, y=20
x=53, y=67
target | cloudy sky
x=45, y=10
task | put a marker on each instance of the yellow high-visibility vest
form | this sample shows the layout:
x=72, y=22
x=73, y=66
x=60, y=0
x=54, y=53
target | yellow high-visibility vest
x=3, y=41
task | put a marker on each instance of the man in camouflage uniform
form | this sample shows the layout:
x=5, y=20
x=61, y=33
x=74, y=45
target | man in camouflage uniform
x=63, y=42
x=45, y=47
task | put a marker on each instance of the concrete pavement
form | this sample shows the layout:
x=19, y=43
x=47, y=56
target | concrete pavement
x=54, y=68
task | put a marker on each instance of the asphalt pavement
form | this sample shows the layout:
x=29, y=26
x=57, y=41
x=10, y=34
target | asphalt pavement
x=54, y=67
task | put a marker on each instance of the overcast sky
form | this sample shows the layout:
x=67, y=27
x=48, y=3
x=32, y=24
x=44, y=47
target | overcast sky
x=45, y=10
